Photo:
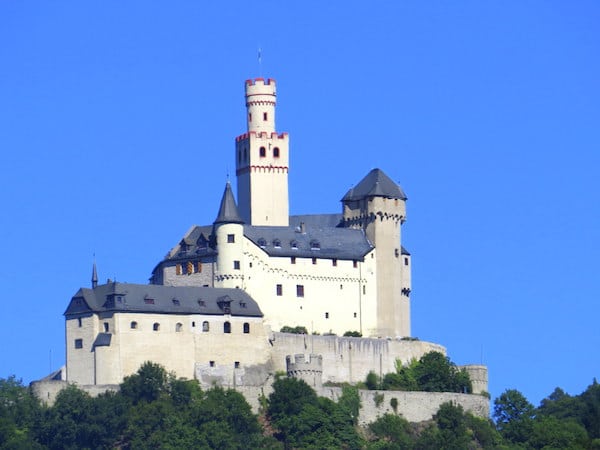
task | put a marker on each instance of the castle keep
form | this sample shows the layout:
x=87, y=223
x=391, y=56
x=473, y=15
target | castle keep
x=215, y=304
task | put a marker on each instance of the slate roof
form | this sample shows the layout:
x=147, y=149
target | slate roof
x=375, y=184
x=228, y=212
x=152, y=298
x=317, y=220
x=315, y=242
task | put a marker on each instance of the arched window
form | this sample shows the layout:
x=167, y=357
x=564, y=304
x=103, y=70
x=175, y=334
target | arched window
x=156, y=326
x=178, y=327
x=262, y=242
x=276, y=152
x=246, y=327
x=227, y=327
x=133, y=325
x=263, y=152
x=205, y=326
x=294, y=245
x=276, y=243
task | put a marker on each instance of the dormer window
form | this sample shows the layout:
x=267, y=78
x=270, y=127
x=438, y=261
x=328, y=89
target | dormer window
x=262, y=242
x=276, y=243
x=294, y=245
x=176, y=302
x=201, y=303
x=315, y=245
x=148, y=301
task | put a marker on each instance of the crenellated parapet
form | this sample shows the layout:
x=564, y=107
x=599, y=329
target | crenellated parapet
x=261, y=135
x=310, y=371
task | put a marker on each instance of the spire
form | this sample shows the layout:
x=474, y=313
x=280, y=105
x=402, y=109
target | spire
x=94, y=275
x=228, y=212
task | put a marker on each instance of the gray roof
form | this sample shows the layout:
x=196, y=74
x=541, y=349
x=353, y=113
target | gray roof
x=375, y=184
x=314, y=242
x=102, y=340
x=228, y=212
x=317, y=220
x=152, y=298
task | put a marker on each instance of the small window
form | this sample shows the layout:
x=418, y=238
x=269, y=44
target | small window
x=299, y=290
x=201, y=303
x=243, y=305
x=178, y=327
x=293, y=260
x=78, y=343
x=236, y=265
x=263, y=152
x=262, y=242
x=334, y=262
x=193, y=324
x=355, y=315
x=406, y=261
x=79, y=322
x=236, y=364
x=294, y=245
x=178, y=269
x=276, y=152
x=276, y=243
x=265, y=116
x=341, y=287
x=315, y=245
x=327, y=315
x=230, y=238
x=190, y=268
x=355, y=264
x=279, y=290
x=149, y=301
x=364, y=289
x=133, y=325
x=211, y=363
x=205, y=326
x=227, y=327
x=249, y=117
x=106, y=327
x=314, y=260
x=246, y=328
x=156, y=326
x=199, y=267
x=176, y=302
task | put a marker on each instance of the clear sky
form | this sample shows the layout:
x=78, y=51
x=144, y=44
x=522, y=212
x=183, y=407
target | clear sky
x=117, y=126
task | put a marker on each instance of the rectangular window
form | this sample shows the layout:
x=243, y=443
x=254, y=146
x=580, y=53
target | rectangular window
x=299, y=290
x=327, y=315
x=265, y=116
x=78, y=343
x=314, y=260
x=149, y=301
x=79, y=322
x=211, y=363
x=230, y=238
x=236, y=364
x=106, y=327
x=334, y=262
x=355, y=315
x=236, y=265
x=279, y=289
x=355, y=264
x=178, y=269
x=199, y=267
x=364, y=289
x=406, y=261
x=293, y=260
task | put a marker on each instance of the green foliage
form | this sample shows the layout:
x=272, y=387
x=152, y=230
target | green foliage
x=390, y=432
x=353, y=334
x=433, y=373
x=147, y=384
x=514, y=416
x=19, y=411
x=303, y=420
x=294, y=330
x=378, y=398
x=394, y=404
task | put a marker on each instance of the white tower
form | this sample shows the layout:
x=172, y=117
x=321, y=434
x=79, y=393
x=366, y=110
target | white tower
x=262, y=159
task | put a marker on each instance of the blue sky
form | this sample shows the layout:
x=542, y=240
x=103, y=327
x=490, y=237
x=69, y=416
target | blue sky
x=117, y=126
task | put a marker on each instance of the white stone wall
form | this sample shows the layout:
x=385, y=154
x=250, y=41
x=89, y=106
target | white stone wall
x=348, y=359
x=204, y=278
x=80, y=361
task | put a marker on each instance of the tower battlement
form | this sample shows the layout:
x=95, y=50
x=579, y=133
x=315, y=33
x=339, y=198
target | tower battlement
x=311, y=370
x=261, y=134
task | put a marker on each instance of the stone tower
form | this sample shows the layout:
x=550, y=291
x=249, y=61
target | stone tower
x=377, y=205
x=229, y=233
x=262, y=159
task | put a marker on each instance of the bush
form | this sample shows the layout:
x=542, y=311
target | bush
x=352, y=334
x=294, y=330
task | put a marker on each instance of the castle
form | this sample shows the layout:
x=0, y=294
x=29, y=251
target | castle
x=215, y=304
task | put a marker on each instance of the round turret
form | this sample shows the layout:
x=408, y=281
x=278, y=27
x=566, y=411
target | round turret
x=260, y=102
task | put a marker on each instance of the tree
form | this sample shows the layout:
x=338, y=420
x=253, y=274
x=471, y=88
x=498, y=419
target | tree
x=436, y=373
x=147, y=384
x=390, y=432
x=549, y=432
x=514, y=416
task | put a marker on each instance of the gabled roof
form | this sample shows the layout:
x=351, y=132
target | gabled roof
x=375, y=184
x=313, y=242
x=159, y=299
x=228, y=212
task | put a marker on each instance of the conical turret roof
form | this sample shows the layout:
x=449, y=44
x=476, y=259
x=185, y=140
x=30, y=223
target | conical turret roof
x=228, y=212
x=375, y=184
